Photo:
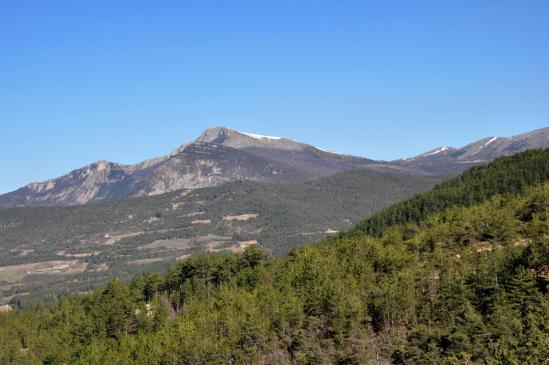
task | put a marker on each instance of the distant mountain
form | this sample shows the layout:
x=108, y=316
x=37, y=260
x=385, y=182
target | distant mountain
x=218, y=156
x=449, y=160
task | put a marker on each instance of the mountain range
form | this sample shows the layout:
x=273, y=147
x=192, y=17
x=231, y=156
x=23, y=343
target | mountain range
x=220, y=155
x=222, y=192
x=448, y=160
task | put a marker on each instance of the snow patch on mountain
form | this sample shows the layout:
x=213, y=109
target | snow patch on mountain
x=259, y=136
x=442, y=149
x=486, y=144
x=334, y=152
x=490, y=141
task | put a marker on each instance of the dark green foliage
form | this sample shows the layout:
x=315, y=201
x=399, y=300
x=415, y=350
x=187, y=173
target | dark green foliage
x=464, y=285
x=504, y=175
x=456, y=289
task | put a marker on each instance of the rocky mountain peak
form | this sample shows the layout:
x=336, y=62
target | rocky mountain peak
x=215, y=135
x=242, y=140
x=101, y=165
x=222, y=155
x=217, y=156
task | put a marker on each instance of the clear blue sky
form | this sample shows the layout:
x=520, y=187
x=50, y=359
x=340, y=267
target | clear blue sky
x=129, y=80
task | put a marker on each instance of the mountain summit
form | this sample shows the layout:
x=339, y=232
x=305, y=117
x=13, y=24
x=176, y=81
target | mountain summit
x=449, y=160
x=217, y=156
x=231, y=138
x=221, y=155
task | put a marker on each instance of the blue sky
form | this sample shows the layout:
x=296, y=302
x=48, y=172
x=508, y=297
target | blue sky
x=129, y=80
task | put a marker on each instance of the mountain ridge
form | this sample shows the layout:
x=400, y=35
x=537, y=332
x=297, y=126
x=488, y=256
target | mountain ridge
x=446, y=159
x=221, y=154
x=217, y=156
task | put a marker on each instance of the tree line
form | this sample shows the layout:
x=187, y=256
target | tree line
x=463, y=284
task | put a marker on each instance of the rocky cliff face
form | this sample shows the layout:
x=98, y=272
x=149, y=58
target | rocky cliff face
x=219, y=155
x=203, y=164
x=97, y=181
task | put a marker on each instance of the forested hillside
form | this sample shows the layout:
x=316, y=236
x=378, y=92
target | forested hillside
x=504, y=175
x=465, y=285
x=47, y=252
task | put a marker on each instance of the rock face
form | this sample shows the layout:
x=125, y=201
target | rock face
x=448, y=160
x=100, y=180
x=219, y=155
